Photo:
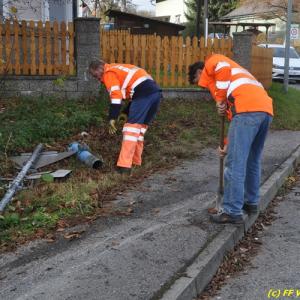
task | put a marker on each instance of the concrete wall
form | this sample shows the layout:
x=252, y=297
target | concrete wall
x=87, y=47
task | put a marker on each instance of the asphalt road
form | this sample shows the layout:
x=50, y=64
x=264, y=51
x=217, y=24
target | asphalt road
x=275, y=271
x=135, y=257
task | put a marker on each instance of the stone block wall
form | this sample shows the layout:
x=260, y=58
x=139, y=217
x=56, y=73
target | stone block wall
x=87, y=47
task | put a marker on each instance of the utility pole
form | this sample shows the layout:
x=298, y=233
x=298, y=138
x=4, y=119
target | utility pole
x=205, y=21
x=74, y=7
x=287, y=46
x=198, y=18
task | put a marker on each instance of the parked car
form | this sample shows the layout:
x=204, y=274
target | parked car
x=278, y=62
x=217, y=35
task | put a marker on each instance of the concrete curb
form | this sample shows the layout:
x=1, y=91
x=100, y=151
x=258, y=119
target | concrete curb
x=204, y=267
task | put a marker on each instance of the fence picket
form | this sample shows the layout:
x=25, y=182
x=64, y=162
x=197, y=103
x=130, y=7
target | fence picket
x=41, y=48
x=135, y=50
x=157, y=58
x=166, y=61
x=24, y=49
x=55, y=48
x=127, y=49
x=143, y=51
x=187, y=58
x=32, y=66
x=63, y=30
x=8, y=50
x=71, y=48
x=174, y=59
x=16, y=48
x=48, y=49
x=180, y=61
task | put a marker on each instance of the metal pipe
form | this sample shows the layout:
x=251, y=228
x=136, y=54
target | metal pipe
x=85, y=156
x=198, y=12
x=17, y=181
x=205, y=21
x=287, y=46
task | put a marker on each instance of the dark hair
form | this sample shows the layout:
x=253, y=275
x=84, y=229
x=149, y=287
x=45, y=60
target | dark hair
x=95, y=64
x=193, y=70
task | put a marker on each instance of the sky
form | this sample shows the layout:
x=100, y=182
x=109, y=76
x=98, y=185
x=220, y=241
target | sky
x=143, y=5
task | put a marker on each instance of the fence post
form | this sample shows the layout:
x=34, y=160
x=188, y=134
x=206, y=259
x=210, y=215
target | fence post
x=87, y=44
x=242, y=48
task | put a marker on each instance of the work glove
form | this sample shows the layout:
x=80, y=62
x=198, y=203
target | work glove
x=122, y=118
x=112, y=129
x=221, y=108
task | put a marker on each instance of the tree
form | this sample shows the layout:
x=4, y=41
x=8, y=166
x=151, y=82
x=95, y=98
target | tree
x=216, y=9
x=275, y=8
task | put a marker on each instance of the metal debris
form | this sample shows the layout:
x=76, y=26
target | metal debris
x=19, y=179
x=45, y=159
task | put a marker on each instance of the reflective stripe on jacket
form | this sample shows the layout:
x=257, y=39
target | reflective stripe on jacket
x=227, y=80
x=121, y=80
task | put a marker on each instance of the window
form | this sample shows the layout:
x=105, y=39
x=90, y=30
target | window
x=177, y=19
x=279, y=52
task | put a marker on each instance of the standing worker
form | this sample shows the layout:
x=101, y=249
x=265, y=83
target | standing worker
x=124, y=81
x=250, y=110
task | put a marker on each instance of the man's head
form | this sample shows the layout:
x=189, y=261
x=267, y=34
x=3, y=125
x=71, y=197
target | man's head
x=195, y=71
x=96, y=68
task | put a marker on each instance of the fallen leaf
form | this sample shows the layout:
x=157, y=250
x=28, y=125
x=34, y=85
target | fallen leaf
x=50, y=240
x=115, y=243
x=71, y=236
x=60, y=229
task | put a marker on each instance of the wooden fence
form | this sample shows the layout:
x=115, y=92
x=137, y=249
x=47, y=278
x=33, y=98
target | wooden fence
x=261, y=65
x=36, y=48
x=165, y=58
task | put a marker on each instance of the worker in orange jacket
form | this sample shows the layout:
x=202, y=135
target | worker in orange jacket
x=250, y=110
x=125, y=81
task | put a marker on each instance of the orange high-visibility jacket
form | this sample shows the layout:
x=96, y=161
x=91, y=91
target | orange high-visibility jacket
x=228, y=81
x=120, y=80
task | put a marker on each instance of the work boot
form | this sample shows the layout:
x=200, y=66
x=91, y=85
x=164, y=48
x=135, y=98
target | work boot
x=250, y=208
x=123, y=170
x=224, y=218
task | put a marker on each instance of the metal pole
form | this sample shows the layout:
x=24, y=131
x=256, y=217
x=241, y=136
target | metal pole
x=198, y=19
x=287, y=46
x=74, y=7
x=205, y=21
x=17, y=181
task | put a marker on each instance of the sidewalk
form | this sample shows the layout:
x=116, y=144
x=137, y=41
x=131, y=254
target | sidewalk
x=278, y=255
x=159, y=251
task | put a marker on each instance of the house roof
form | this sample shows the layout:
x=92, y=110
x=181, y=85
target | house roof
x=254, y=8
x=116, y=13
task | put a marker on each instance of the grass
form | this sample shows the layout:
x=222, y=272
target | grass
x=182, y=128
x=286, y=107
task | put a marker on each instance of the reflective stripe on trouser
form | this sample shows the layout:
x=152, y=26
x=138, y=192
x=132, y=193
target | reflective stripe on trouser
x=137, y=157
x=131, y=134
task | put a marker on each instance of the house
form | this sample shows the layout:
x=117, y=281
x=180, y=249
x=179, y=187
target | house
x=44, y=10
x=142, y=25
x=264, y=12
x=171, y=10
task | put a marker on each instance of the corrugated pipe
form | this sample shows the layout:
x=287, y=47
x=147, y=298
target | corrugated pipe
x=84, y=155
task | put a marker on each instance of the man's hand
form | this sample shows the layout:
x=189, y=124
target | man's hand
x=223, y=152
x=112, y=129
x=221, y=107
x=122, y=118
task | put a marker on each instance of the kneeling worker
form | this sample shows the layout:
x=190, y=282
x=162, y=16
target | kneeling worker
x=124, y=81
